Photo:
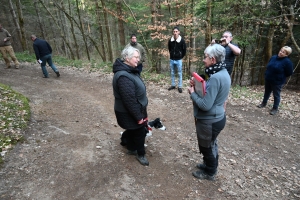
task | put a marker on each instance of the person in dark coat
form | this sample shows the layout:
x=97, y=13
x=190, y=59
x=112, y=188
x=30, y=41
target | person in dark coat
x=131, y=102
x=43, y=54
x=278, y=68
x=177, y=50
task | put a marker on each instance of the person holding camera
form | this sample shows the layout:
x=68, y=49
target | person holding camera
x=232, y=50
x=209, y=112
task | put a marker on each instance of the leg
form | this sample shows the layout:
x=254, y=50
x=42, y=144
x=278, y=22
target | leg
x=276, y=94
x=179, y=70
x=43, y=66
x=5, y=57
x=49, y=61
x=268, y=90
x=172, y=67
x=207, y=133
x=11, y=52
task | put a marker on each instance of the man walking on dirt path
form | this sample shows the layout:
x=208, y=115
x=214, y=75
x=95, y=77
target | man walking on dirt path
x=43, y=53
x=6, y=48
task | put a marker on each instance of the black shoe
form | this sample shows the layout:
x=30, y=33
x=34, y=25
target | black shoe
x=171, y=88
x=57, y=74
x=202, y=175
x=201, y=166
x=142, y=159
x=129, y=152
x=45, y=76
x=262, y=105
x=180, y=90
x=273, y=111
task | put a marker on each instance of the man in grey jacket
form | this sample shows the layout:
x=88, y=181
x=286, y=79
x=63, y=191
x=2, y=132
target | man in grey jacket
x=6, y=48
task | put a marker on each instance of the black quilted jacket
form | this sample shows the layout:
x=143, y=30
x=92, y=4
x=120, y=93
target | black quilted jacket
x=130, y=95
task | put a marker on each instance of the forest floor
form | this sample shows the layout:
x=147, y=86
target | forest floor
x=73, y=151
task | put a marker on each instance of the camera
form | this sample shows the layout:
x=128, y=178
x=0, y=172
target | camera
x=219, y=41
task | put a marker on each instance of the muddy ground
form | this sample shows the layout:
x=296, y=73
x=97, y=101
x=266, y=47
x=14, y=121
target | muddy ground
x=72, y=148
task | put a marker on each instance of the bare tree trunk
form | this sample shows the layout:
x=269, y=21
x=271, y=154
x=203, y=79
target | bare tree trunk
x=13, y=13
x=120, y=23
x=108, y=34
x=39, y=19
x=104, y=56
x=73, y=31
x=22, y=28
x=61, y=32
x=208, y=23
x=82, y=31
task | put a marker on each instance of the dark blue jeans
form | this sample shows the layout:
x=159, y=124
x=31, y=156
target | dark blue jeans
x=276, y=89
x=47, y=59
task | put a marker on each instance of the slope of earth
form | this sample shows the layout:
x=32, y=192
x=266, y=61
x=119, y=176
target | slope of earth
x=72, y=148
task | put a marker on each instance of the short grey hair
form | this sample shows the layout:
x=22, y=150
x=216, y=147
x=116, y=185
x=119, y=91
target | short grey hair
x=228, y=33
x=128, y=52
x=217, y=51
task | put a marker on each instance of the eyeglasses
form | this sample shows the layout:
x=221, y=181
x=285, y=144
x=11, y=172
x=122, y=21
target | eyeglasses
x=226, y=36
x=137, y=57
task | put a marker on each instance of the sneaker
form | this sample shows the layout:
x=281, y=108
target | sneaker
x=202, y=175
x=180, y=90
x=171, y=88
x=273, y=111
x=45, y=76
x=262, y=105
x=7, y=67
x=17, y=67
x=142, y=159
x=129, y=152
x=57, y=74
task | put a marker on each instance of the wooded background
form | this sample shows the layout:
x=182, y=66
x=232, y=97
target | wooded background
x=99, y=29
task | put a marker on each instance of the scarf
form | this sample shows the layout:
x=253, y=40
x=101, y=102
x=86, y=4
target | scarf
x=215, y=68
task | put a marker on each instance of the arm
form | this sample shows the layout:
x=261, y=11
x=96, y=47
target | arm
x=8, y=36
x=36, y=51
x=288, y=69
x=208, y=100
x=127, y=92
x=235, y=49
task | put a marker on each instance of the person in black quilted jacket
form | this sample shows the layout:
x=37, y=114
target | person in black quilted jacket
x=131, y=102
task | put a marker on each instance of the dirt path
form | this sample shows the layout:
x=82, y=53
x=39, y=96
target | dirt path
x=73, y=152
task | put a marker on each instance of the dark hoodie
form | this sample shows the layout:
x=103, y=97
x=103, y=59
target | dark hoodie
x=130, y=95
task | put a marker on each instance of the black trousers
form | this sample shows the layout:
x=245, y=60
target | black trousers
x=135, y=140
x=207, y=133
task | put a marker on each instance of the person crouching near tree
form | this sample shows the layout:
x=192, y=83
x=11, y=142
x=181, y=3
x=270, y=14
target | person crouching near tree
x=131, y=102
x=278, y=68
x=209, y=110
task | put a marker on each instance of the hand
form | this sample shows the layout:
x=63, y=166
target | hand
x=191, y=89
x=224, y=41
x=4, y=39
x=144, y=122
x=192, y=82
